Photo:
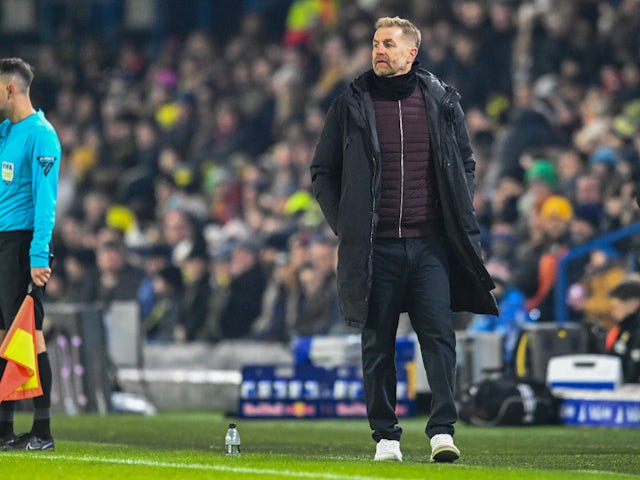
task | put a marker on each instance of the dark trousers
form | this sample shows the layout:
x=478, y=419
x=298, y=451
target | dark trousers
x=15, y=275
x=409, y=275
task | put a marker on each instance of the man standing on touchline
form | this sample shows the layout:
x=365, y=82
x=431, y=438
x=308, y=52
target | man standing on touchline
x=30, y=154
x=393, y=173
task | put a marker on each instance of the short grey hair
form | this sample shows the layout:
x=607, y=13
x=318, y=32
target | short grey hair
x=409, y=30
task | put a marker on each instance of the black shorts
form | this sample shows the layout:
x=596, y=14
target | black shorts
x=15, y=275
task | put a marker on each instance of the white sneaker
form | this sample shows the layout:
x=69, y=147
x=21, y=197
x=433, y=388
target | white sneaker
x=388, y=450
x=443, y=449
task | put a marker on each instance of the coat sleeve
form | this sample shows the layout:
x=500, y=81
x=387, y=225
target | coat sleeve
x=465, y=150
x=326, y=168
x=469, y=167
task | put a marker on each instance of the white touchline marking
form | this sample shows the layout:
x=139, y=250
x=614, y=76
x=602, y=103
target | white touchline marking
x=201, y=466
x=260, y=471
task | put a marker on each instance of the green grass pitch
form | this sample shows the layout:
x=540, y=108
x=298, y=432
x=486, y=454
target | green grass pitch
x=190, y=446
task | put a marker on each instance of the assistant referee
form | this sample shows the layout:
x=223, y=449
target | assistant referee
x=30, y=155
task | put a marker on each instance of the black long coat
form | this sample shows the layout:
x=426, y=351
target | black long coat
x=345, y=174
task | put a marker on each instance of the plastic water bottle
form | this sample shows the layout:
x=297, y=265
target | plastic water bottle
x=232, y=440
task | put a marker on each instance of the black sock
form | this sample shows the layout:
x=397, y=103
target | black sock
x=42, y=404
x=7, y=409
x=41, y=427
x=6, y=429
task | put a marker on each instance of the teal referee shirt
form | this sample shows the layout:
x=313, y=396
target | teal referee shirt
x=30, y=154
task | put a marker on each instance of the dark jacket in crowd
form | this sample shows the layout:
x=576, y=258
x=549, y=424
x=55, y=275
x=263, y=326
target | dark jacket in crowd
x=627, y=347
x=244, y=303
x=345, y=173
x=530, y=129
x=195, y=307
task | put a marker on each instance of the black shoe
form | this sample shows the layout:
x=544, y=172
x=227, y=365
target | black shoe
x=28, y=441
x=7, y=439
x=40, y=443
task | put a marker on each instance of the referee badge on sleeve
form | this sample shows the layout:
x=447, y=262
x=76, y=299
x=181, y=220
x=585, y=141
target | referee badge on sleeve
x=46, y=163
x=7, y=172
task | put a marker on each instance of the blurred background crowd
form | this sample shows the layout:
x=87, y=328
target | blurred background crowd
x=185, y=184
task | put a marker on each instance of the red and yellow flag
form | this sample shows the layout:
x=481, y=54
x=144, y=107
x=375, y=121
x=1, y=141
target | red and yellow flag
x=21, y=378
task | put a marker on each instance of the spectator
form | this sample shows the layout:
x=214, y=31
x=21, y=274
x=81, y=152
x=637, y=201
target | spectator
x=332, y=77
x=583, y=227
x=318, y=309
x=279, y=304
x=590, y=295
x=531, y=126
x=585, y=224
x=163, y=319
x=94, y=205
x=498, y=46
x=541, y=178
x=246, y=288
x=114, y=277
x=602, y=162
x=182, y=235
x=469, y=72
x=282, y=295
x=624, y=339
x=228, y=134
x=570, y=168
x=78, y=263
x=195, y=298
x=219, y=282
x=153, y=259
x=436, y=48
x=537, y=271
x=504, y=201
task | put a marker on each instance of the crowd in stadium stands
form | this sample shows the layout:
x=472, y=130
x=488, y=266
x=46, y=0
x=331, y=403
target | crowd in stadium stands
x=185, y=182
